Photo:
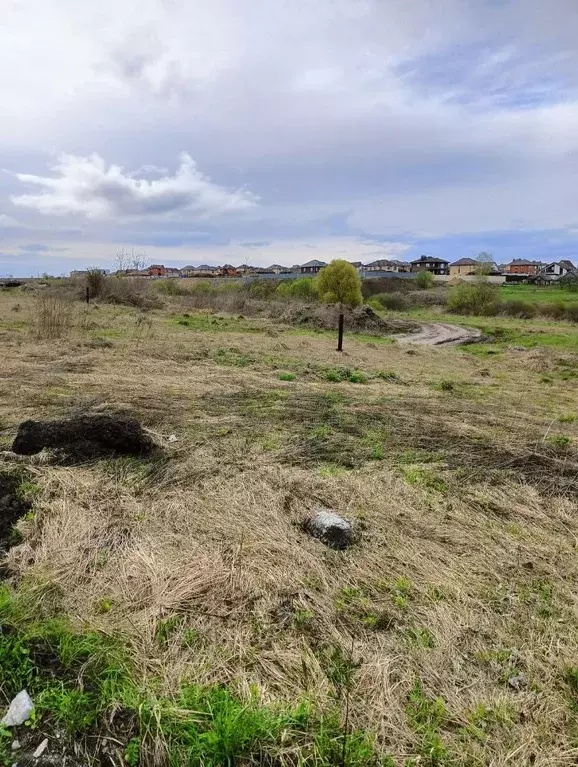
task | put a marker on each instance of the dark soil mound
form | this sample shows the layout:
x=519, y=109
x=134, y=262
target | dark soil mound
x=359, y=320
x=11, y=507
x=87, y=436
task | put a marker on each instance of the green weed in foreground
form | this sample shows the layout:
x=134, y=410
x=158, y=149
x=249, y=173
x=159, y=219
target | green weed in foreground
x=425, y=478
x=78, y=680
x=287, y=376
x=426, y=716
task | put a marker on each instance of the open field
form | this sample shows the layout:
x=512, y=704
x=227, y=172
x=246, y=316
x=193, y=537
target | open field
x=536, y=294
x=173, y=611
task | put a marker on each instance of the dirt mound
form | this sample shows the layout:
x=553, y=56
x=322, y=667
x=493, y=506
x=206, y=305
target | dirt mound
x=362, y=319
x=87, y=436
x=11, y=507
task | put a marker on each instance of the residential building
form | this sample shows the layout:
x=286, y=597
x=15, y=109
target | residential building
x=312, y=267
x=172, y=272
x=399, y=266
x=554, y=271
x=157, y=270
x=522, y=266
x=430, y=264
x=189, y=271
x=381, y=265
x=228, y=271
x=276, y=269
x=464, y=266
x=205, y=270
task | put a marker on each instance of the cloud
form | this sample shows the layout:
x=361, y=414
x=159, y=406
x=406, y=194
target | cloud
x=7, y=222
x=87, y=186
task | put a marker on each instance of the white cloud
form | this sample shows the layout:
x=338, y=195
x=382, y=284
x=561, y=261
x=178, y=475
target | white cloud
x=87, y=186
x=7, y=222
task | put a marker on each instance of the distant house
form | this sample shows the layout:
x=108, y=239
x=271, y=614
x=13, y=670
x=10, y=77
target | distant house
x=399, y=266
x=276, y=269
x=228, y=270
x=430, y=264
x=172, y=272
x=464, y=266
x=157, y=270
x=522, y=266
x=381, y=265
x=205, y=270
x=189, y=271
x=554, y=271
x=312, y=267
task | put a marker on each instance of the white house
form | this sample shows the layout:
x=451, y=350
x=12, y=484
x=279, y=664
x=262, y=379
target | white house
x=555, y=270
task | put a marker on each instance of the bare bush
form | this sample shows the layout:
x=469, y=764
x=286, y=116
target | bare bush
x=131, y=292
x=52, y=315
x=518, y=308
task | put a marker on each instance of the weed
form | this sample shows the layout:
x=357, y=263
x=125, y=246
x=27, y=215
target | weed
x=559, y=441
x=424, y=478
x=287, y=376
x=389, y=375
x=418, y=456
x=331, y=470
x=165, y=629
x=52, y=316
x=357, y=377
x=334, y=376
x=426, y=717
x=132, y=752
x=322, y=431
x=446, y=385
x=570, y=418
x=420, y=637
x=104, y=605
x=570, y=677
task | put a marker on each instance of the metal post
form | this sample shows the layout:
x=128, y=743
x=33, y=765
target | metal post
x=340, y=334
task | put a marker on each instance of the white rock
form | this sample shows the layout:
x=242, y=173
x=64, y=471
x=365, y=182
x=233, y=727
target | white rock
x=329, y=527
x=41, y=749
x=19, y=710
x=15, y=745
x=172, y=438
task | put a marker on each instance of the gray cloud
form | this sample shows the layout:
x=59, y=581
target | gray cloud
x=345, y=117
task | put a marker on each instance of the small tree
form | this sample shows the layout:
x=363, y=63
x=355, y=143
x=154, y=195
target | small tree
x=339, y=283
x=485, y=262
x=424, y=280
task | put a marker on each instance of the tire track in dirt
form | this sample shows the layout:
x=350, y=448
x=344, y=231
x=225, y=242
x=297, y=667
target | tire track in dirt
x=438, y=334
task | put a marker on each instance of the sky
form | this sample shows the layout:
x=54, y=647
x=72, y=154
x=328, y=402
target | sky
x=277, y=131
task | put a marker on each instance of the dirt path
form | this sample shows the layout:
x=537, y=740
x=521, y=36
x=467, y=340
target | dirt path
x=438, y=333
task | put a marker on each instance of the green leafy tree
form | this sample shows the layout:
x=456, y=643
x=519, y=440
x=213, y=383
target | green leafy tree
x=339, y=283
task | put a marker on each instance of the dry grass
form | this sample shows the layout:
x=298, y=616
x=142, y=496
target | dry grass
x=466, y=572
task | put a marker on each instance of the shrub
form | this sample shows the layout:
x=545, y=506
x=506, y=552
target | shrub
x=286, y=376
x=262, y=288
x=393, y=301
x=52, y=315
x=95, y=280
x=372, y=286
x=572, y=313
x=304, y=287
x=554, y=309
x=518, y=308
x=424, y=280
x=129, y=291
x=479, y=298
x=170, y=287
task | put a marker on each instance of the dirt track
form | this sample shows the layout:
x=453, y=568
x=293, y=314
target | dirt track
x=438, y=333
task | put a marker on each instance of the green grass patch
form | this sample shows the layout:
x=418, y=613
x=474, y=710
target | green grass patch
x=287, y=376
x=216, y=323
x=77, y=681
